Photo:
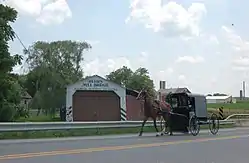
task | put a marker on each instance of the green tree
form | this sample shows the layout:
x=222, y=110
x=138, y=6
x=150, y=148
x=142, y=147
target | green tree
x=9, y=86
x=121, y=76
x=53, y=65
x=141, y=79
x=134, y=80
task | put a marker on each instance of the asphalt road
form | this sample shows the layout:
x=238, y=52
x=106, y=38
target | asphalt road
x=229, y=146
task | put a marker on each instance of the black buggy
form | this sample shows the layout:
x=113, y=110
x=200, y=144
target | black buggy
x=188, y=112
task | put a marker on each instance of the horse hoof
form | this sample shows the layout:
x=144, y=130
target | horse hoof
x=140, y=135
x=157, y=135
x=162, y=134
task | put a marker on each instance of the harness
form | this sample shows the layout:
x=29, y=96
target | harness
x=165, y=105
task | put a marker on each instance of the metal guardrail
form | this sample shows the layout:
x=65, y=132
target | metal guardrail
x=32, y=126
x=39, y=126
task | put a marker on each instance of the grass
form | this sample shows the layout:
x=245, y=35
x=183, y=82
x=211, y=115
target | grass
x=228, y=112
x=80, y=132
x=241, y=105
x=40, y=118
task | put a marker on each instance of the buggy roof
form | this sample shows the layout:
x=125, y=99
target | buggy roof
x=189, y=94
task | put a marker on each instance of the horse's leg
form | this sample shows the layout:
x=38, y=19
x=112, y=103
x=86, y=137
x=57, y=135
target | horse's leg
x=170, y=123
x=157, y=132
x=165, y=124
x=144, y=121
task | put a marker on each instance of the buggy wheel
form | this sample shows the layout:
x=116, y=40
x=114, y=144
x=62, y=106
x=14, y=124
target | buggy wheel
x=194, y=125
x=214, y=124
x=164, y=126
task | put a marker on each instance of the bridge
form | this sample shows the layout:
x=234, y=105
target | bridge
x=230, y=145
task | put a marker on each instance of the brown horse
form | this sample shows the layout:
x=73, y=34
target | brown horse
x=152, y=109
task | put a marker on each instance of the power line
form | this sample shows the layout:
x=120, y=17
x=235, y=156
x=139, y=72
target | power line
x=18, y=38
x=15, y=34
x=21, y=42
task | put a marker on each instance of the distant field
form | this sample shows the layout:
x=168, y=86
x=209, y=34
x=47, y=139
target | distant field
x=241, y=105
x=237, y=108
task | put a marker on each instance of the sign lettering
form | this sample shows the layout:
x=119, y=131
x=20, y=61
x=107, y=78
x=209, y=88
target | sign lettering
x=95, y=83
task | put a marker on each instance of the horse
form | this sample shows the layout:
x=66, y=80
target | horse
x=152, y=109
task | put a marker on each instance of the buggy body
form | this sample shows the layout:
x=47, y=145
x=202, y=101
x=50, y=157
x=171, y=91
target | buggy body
x=189, y=111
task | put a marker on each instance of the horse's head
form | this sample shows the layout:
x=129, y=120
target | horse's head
x=168, y=96
x=142, y=94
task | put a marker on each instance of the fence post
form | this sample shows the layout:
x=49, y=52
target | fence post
x=96, y=116
x=221, y=112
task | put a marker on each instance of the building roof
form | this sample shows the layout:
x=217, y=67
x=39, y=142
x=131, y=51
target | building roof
x=131, y=92
x=174, y=90
x=26, y=95
x=195, y=95
x=217, y=97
